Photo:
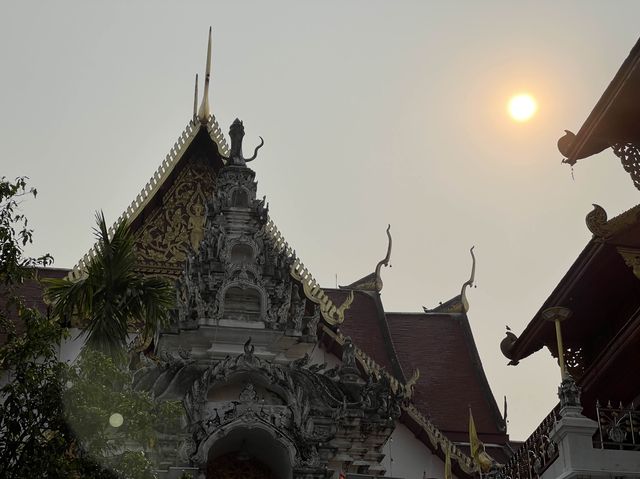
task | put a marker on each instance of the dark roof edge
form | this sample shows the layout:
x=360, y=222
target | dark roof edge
x=477, y=363
x=525, y=345
x=577, y=148
x=388, y=341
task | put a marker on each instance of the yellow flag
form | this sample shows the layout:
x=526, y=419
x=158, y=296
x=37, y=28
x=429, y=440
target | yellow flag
x=481, y=458
x=447, y=464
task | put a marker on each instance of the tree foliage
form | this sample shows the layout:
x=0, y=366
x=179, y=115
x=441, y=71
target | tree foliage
x=112, y=296
x=15, y=234
x=54, y=417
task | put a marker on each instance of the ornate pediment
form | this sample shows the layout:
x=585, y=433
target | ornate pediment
x=317, y=405
x=176, y=226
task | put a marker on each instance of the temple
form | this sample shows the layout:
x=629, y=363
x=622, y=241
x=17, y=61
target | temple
x=591, y=320
x=280, y=377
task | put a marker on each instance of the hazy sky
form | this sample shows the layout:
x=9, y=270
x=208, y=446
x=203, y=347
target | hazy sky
x=372, y=113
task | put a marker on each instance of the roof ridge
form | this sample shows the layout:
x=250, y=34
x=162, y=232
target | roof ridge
x=152, y=186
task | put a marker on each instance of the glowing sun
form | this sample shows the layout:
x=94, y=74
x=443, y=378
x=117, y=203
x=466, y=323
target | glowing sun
x=522, y=107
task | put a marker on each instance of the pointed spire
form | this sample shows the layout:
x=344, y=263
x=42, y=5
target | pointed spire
x=204, y=113
x=195, y=100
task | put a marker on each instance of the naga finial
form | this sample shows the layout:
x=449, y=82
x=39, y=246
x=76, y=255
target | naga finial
x=204, y=112
x=383, y=262
x=236, y=133
x=463, y=296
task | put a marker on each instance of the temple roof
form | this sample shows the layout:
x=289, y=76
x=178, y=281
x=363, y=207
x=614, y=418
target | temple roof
x=599, y=274
x=32, y=292
x=450, y=371
x=615, y=117
x=602, y=290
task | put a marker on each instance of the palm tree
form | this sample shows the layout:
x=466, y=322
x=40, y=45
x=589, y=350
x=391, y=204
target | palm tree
x=112, y=297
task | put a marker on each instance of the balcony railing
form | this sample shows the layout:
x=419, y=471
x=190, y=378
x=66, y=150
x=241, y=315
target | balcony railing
x=618, y=427
x=535, y=454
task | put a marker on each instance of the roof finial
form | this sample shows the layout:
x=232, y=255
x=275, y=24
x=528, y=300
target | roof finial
x=383, y=262
x=463, y=296
x=195, y=100
x=204, y=113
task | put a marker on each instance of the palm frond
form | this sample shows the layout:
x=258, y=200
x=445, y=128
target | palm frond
x=112, y=296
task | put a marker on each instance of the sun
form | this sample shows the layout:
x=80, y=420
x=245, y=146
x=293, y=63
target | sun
x=522, y=107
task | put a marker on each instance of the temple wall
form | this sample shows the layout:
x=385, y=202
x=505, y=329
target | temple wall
x=411, y=458
x=70, y=347
x=319, y=355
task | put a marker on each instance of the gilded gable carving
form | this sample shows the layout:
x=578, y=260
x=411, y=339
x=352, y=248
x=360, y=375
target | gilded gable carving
x=163, y=240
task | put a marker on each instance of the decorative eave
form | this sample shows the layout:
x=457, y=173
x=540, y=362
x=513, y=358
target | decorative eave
x=614, y=121
x=370, y=366
x=604, y=229
x=157, y=180
x=331, y=313
x=438, y=441
x=435, y=439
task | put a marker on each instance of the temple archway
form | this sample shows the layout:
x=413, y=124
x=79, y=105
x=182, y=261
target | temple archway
x=249, y=453
x=235, y=465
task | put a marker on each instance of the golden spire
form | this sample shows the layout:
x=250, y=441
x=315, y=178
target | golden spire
x=204, y=113
x=195, y=100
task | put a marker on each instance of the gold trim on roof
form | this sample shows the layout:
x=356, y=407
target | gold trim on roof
x=156, y=181
x=331, y=313
x=439, y=441
x=436, y=437
x=372, y=367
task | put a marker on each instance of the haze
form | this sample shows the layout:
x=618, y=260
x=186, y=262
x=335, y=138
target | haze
x=372, y=113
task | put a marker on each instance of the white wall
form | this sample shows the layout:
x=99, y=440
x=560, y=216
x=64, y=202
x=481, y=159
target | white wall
x=411, y=458
x=70, y=348
x=319, y=356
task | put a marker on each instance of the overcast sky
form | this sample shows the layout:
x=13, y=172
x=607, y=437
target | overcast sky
x=372, y=113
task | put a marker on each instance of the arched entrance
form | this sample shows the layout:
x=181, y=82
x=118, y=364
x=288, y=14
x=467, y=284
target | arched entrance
x=236, y=465
x=249, y=453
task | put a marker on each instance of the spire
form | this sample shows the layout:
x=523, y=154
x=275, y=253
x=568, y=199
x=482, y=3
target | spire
x=195, y=100
x=204, y=112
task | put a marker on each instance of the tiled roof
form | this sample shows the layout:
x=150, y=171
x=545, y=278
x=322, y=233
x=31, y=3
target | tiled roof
x=441, y=347
x=451, y=379
x=32, y=293
x=362, y=326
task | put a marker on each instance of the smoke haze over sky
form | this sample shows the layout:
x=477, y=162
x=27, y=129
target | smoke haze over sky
x=372, y=113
